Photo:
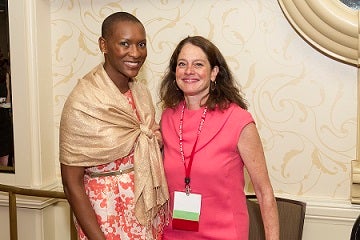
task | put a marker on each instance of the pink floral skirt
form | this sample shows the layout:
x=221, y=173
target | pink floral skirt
x=112, y=199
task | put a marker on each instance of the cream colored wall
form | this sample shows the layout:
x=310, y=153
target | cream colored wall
x=304, y=103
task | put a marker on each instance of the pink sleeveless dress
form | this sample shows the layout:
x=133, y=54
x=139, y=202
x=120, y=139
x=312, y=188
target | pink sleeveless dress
x=217, y=171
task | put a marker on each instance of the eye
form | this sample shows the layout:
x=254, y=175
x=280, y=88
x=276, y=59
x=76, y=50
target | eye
x=181, y=64
x=198, y=64
x=142, y=45
x=124, y=43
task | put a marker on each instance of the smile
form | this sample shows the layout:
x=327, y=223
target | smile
x=187, y=80
x=132, y=64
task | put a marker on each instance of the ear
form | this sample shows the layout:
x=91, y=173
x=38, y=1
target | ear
x=102, y=45
x=214, y=73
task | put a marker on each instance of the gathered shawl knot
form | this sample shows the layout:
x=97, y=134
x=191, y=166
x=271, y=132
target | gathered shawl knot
x=99, y=126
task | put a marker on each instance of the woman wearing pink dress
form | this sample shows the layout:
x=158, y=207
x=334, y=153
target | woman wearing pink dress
x=209, y=137
x=111, y=164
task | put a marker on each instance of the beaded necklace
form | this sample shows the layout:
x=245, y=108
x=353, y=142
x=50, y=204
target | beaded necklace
x=188, y=166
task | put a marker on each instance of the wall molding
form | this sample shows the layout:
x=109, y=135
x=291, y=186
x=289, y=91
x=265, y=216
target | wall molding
x=328, y=25
x=328, y=210
x=32, y=94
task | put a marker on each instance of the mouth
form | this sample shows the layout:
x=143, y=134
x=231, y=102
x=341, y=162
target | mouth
x=133, y=64
x=189, y=80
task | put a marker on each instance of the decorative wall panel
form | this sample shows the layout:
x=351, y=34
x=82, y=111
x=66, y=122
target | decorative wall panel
x=304, y=102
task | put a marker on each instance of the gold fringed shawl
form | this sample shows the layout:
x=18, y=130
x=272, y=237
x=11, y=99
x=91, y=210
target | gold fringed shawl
x=99, y=126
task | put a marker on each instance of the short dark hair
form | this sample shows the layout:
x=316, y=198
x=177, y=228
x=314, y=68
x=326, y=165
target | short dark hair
x=107, y=24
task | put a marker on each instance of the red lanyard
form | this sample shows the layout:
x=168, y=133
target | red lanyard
x=188, y=166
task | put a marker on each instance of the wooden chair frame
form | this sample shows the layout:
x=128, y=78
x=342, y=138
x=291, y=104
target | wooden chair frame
x=296, y=209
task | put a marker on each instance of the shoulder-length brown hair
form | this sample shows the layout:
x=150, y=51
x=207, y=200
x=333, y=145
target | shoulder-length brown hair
x=222, y=92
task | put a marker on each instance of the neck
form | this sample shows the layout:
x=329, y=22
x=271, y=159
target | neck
x=193, y=103
x=121, y=82
x=122, y=86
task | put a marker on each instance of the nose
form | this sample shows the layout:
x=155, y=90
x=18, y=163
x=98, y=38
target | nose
x=134, y=51
x=189, y=69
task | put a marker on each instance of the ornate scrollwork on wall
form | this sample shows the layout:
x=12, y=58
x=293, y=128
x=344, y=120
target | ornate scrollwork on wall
x=332, y=27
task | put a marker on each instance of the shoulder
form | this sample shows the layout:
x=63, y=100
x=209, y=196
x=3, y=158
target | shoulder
x=234, y=117
x=139, y=87
x=167, y=114
x=85, y=82
x=97, y=70
x=81, y=91
x=238, y=111
x=138, y=84
x=235, y=113
x=168, y=111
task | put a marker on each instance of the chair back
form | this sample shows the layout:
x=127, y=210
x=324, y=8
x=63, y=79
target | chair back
x=355, y=231
x=291, y=218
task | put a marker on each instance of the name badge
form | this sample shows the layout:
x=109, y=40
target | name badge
x=186, y=213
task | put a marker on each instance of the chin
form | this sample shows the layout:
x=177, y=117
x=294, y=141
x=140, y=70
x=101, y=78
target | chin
x=132, y=74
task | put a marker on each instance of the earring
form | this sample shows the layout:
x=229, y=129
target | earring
x=213, y=85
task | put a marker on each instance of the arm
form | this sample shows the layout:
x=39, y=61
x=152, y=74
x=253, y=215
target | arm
x=73, y=182
x=157, y=133
x=252, y=153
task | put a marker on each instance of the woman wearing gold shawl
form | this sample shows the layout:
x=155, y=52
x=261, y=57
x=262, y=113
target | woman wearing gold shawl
x=111, y=164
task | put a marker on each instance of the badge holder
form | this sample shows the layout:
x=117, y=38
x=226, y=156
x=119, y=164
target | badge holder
x=186, y=213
